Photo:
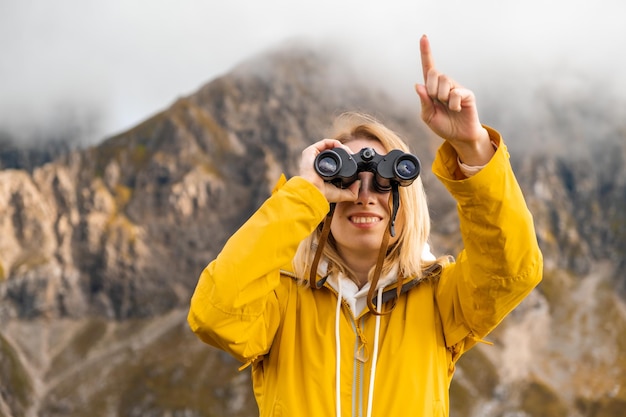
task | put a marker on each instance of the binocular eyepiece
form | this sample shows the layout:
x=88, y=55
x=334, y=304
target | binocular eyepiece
x=341, y=168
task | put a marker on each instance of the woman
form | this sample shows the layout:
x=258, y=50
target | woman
x=335, y=350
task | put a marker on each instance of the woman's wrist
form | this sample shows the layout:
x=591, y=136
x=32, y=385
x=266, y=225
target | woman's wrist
x=477, y=152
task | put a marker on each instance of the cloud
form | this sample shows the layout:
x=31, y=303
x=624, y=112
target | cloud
x=123, y=61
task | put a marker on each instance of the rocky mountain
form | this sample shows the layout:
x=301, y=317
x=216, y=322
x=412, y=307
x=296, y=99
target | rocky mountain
x=28, y=157
x=101, y=248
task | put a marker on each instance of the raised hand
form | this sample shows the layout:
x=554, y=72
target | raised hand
x=450, y=111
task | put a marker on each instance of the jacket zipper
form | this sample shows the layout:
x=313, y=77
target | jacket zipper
x=358, y=363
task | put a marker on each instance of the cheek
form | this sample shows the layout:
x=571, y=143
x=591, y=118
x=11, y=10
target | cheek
x=384, y=200
x=339, y=214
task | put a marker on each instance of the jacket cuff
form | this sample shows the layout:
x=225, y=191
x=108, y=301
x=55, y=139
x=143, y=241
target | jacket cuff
x=446, y=167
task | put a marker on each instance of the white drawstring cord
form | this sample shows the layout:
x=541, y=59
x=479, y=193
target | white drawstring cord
x=338, y=349
x=370, y=395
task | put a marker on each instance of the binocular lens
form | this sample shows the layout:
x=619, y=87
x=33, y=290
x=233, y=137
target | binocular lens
x=406, y=168
x=327, y=165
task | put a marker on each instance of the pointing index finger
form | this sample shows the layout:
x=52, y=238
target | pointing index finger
x=427, y=58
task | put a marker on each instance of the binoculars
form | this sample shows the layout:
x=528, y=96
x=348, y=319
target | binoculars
x=341, y=168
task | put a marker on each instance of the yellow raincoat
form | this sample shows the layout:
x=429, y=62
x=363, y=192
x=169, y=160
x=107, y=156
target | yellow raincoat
x=248, y=303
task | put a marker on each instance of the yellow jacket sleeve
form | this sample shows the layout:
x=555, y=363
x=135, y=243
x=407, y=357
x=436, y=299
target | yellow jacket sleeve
x=234, y=306
x=501, y=261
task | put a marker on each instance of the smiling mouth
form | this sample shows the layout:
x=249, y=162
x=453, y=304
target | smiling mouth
x=364, y=219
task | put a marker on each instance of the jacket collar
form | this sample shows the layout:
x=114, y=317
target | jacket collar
x=357, y=297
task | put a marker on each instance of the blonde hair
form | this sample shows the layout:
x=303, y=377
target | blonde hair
x=413, y=216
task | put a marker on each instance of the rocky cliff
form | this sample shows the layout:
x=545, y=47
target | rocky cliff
x=101, y=248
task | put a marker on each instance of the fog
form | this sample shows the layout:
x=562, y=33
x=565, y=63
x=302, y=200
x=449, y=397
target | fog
x=96, y=68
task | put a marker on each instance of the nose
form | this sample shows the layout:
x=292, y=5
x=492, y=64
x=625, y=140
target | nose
x=366, y=190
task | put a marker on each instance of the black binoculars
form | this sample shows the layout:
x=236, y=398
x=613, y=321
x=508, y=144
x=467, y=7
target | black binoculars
x=341, y=169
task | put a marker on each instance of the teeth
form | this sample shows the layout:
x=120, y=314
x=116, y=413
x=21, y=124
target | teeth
x=365, y=219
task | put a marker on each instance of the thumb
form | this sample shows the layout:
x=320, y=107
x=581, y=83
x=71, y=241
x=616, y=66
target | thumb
x=352, y=192
x=428, y=105
x=427, y=102
x=336, y=194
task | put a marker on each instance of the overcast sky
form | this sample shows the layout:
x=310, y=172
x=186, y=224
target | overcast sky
x=116, y=62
